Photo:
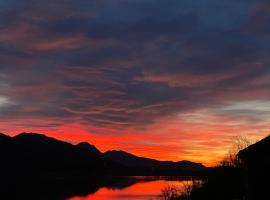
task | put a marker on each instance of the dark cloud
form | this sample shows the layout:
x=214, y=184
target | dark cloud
x=124, y=63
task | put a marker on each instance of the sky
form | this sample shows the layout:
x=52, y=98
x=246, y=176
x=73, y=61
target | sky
x=170, y=80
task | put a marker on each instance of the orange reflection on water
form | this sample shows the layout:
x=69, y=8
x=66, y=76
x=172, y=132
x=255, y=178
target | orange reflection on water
x=139, y=191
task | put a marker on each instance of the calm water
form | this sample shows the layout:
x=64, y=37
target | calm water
x=141, y=190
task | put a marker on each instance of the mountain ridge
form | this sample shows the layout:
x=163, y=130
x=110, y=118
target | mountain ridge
x=131, y=160
x=34, y=149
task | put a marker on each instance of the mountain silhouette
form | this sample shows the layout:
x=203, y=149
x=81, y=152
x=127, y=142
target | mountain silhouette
x=89, y=147
x=130, y=160
x=4, y=138
x=256, y=162
x=38, y=154
x=257, y=153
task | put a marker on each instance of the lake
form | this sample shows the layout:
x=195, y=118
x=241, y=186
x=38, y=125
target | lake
x=141, y=189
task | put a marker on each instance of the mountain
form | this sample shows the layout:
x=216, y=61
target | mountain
x=188, y=165
x=38, y=154
x=256, y=162
x=130, y=160
x=89, y=147
x=4, y=138
x=257, y=153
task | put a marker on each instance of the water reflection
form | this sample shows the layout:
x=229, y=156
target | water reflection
x=95, y=188
x=142, y=189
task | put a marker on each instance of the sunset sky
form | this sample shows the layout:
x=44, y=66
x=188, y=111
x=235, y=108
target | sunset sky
x=166, y=79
